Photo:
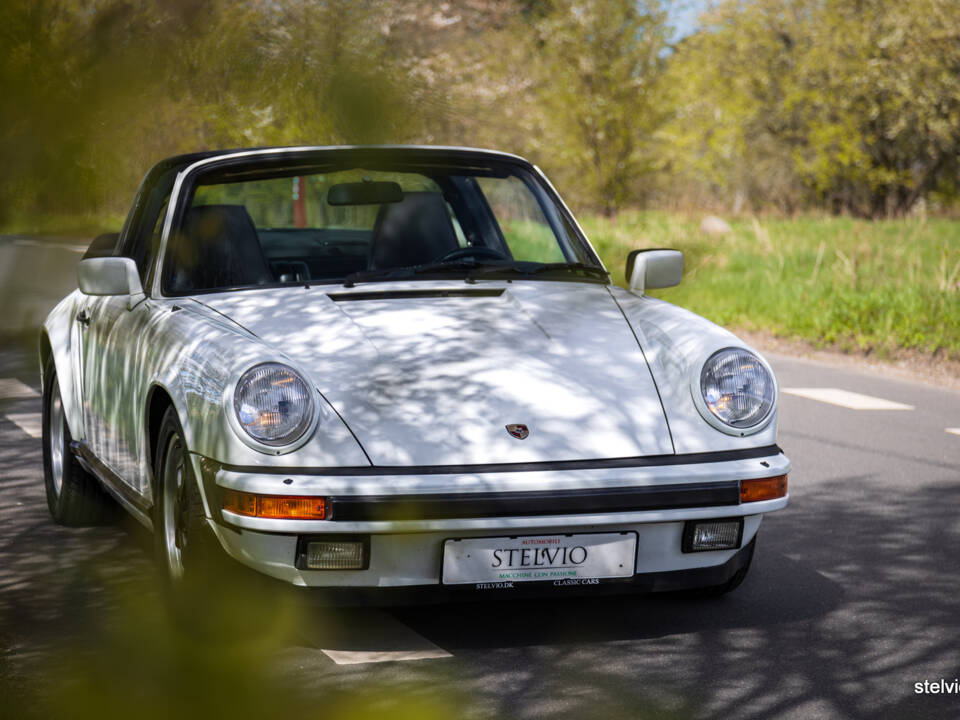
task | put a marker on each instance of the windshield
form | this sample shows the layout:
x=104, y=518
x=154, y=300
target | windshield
x=364, y=224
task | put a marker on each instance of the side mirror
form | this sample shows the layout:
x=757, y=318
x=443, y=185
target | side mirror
x=102, y=246
x=109, y=276
x=649, y=269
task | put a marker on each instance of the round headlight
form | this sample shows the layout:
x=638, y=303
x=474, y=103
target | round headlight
x=737, y=388
x=274, y=404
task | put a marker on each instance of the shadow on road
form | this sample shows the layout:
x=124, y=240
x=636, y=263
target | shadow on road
x=852, y=599
x=780, y=591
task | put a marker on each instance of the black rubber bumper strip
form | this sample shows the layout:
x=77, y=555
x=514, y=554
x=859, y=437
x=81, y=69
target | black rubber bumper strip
x=448, y=506
x=767, y=451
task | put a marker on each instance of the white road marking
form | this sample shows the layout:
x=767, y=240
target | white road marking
x=44, y=244
x=369, y=636
x=953, y=431
x=357, y=657
x=30, y=423
x=847, y=399
x=11, y=389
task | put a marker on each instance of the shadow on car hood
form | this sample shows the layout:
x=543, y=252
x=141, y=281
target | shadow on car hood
x=432, y=373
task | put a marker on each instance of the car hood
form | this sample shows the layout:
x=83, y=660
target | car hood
x=432, y=373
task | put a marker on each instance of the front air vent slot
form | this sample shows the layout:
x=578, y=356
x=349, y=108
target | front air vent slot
x=414, y=294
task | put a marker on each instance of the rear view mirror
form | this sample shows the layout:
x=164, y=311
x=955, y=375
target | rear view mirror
x=108, y=276
x=364, y=193
x=650, y=269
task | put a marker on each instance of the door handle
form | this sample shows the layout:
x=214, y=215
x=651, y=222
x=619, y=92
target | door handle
x=83, y=318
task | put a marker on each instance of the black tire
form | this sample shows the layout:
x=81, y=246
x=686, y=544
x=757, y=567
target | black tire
x=207, y=592
x=74, y=496
x=183, y=541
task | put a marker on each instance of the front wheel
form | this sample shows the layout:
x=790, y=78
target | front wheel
x=182, y=539
x=207, y=592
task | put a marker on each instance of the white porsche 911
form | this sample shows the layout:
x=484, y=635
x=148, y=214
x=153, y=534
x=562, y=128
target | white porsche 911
x=401, y=370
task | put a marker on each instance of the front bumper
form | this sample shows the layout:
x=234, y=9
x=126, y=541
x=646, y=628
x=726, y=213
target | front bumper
x=647, y=582
x=406, y=551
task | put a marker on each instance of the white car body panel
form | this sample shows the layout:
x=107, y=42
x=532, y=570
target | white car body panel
x=61, y=330
x=433, y=381
x=676, y=342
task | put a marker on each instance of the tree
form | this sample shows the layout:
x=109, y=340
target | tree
x=852, y=106
x=96, y=91
x=598, y=70
x=880, y=100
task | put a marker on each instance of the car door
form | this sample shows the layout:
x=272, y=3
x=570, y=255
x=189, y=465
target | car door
x=121, y=360
x=124, y=356
x=112, y=355
x=97, y=317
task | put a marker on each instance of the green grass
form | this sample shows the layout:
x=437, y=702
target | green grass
x=857, y=285
x=531, y=241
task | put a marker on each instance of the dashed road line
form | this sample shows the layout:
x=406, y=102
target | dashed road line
x=30, y=423
x=375, y=636
x=358, y=657
x=953, y=431
x=29, y=242
x=847, y=399
x=12, y=389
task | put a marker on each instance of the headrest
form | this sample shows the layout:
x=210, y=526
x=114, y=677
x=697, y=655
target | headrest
x=414, y=231
x=218, y=248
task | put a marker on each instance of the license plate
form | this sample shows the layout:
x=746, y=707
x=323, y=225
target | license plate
x=539, y=557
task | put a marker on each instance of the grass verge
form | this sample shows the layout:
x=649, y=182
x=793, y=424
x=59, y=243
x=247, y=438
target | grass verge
x=870, y=286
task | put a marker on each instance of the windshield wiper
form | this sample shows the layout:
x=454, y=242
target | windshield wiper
x=528, y=268
x=475, y=269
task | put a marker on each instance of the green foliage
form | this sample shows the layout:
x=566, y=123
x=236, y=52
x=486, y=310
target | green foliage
x=599, y=69
x=791, y=104
x=121, y=654
x=95, y=93
x=875, y=286
x=854, y=107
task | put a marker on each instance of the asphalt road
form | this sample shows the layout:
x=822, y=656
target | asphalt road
x=853, y=598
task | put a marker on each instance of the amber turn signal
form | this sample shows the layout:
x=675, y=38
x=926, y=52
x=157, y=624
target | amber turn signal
x=763, y=489
x=275, y=507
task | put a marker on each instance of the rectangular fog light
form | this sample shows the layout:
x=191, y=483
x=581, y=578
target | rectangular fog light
x=702, y=535
x=332, y=554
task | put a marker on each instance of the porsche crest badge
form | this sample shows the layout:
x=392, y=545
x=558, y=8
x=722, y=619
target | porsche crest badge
x=520, y=432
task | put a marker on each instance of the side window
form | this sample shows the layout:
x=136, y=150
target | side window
x=139, y=240
x=144, y=242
